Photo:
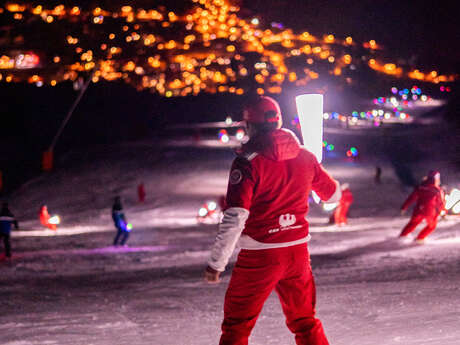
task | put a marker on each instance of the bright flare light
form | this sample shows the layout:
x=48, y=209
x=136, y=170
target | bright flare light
x=330, y=206
x=452, y=199
x=54, y=220
x=310, y=110
x=212, y=205
x=240, y=134
x=225, y=139
x=202, y=212
x=456, y=208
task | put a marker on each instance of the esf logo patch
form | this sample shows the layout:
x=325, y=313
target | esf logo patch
x=236, y=176
x=287, y=220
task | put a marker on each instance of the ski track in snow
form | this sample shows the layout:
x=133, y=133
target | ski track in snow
x=72, y=287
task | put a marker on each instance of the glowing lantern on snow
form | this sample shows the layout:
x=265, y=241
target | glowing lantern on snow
x=54, y=220
x=225, y=139
x=329, y=206
x=223, y=136
x=207, y=210
x=456, y=208
x=212, y=205
x=202, y=212
x=240, y=134
x=310, y=110
x=453, y=200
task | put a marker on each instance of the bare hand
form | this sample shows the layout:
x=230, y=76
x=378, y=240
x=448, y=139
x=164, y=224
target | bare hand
x=211, y=275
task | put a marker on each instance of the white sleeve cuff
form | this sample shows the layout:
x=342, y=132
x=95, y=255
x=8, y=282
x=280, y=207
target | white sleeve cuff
x=227, y=236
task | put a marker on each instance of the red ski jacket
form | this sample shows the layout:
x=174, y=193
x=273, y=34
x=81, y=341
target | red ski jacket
x=272, y=180
x=267, y=196
x=429, y=200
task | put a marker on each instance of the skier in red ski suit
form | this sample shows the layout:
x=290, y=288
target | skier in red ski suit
x=44, y=217
x=429, y=202
x=267, y=201
x=339, y=216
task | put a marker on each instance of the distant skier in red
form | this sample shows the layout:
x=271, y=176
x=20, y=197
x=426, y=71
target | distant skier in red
x=44, y=217
x=429, y=202
x=141, y=193
x=340, y=215
x=266, y=204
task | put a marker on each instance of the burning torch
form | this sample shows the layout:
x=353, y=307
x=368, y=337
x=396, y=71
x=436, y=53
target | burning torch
x=310, y=111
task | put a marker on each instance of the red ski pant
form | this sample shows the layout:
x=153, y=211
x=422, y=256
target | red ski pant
x=340, y=214
x=416, y=219
x=256, y=274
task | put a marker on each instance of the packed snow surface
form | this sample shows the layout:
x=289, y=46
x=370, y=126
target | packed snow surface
x=71, y=286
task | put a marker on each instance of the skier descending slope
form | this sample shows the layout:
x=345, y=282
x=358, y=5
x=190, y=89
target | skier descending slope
x=6, y=220
x=119, y=220
x=45, y=218
x=267, y=200
x=340, y=215
x=429, y=202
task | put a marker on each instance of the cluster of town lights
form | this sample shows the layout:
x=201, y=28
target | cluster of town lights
x=206, y=53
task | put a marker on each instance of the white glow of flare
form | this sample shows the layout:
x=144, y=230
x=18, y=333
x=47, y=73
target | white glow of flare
x=54, y=220
x=202, y=212
x=452, y=198
x=329, y=206
x=240, y=134
x=212, y=205
x=224, y=138
x=228, y=121
x=310, y=111
x=456, y=208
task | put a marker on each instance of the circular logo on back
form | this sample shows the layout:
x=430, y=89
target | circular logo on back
x=236, y=176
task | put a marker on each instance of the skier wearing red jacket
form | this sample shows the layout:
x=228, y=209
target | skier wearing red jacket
x=339, y=217
x=429, y=202
x=267, y=201
x=44, y=217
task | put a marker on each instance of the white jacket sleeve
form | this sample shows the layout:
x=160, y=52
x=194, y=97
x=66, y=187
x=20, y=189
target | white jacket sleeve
x=227, y=236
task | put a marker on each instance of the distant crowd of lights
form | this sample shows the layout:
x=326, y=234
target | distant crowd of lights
x=391, y=109
x=205, y=53
x=375, y=116
x=224, y=137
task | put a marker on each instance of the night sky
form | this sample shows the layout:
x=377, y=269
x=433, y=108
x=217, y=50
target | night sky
x=428, y=30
